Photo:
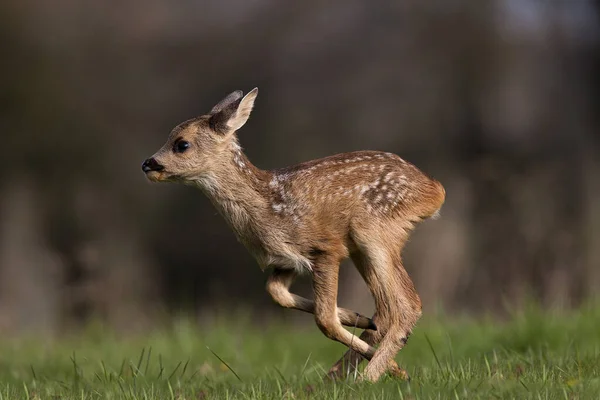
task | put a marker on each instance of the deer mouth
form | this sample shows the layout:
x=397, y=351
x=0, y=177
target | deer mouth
x=162, y=176
x=156, y=176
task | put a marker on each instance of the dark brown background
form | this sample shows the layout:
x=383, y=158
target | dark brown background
x=498, y=99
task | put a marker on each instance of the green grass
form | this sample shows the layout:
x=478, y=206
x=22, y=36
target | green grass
x=531, y=355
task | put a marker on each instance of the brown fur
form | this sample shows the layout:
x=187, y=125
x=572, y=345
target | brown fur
x=308, y=218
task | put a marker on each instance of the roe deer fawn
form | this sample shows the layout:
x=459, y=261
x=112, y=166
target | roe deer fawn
x=307, y=219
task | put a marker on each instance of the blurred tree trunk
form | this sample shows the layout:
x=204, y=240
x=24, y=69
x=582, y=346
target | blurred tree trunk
x=591, y=167
x=30, y=272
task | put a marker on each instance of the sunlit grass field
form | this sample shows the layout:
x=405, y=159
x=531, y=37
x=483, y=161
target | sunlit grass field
x=533, y=354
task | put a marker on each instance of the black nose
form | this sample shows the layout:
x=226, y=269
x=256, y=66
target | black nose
x=151, y=165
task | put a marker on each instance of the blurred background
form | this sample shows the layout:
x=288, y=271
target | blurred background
x=498, y=99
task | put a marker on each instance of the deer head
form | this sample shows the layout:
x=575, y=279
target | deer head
x=198, y=146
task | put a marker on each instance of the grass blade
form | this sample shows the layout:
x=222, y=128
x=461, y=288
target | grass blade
x=224, y=363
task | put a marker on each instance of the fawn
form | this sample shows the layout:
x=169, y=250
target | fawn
x=308, y=218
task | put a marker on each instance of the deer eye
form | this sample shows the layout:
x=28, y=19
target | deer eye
x=181, y=146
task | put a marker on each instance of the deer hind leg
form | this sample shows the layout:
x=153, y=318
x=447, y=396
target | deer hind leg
x=325, y=285
x=399, y=302
x=351, y=360
x=278, y=285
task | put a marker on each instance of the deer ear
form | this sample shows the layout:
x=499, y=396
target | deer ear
x=233, y=115
x=227, y=101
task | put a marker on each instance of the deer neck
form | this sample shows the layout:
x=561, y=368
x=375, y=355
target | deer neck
x=238, y=189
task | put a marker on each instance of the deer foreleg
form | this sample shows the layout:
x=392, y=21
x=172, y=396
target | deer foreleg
x=278, y=285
